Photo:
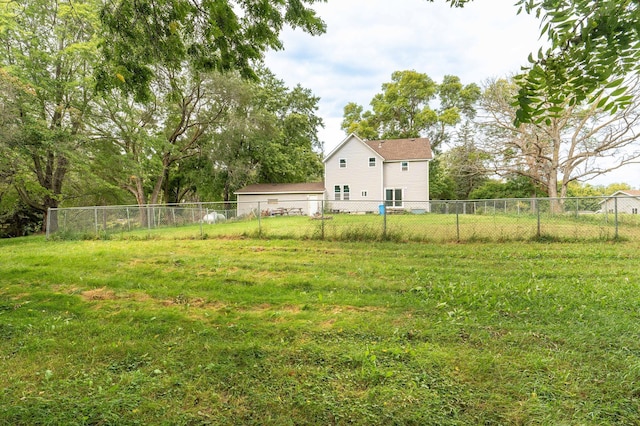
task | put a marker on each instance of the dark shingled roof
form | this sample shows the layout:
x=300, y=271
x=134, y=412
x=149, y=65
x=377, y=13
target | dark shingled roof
x=276, y=188
x=402, y=149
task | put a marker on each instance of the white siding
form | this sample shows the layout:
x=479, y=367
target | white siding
x=414, y=181
x=358, y=175
x=252, y=203
x=625, y=205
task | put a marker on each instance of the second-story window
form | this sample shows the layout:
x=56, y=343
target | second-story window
x=343, y=163
x=405, y=166
x=372, y=161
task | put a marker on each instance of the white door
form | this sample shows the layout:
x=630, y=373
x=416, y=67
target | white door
x=314, y=205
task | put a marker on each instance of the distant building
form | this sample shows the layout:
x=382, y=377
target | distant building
x=627, y=201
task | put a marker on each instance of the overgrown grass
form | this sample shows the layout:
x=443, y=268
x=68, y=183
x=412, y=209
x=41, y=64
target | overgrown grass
x=251, y=331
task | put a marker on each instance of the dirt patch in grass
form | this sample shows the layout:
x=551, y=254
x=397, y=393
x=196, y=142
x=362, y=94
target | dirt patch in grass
x=348, y=308
x=99, y=294
x=104, y=293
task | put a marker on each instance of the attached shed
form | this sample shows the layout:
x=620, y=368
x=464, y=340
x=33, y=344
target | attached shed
x=627, y=201
x=281, y=199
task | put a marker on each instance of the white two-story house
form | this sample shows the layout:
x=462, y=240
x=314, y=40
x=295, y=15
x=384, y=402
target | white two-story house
x=395, y=172
x=359, y=176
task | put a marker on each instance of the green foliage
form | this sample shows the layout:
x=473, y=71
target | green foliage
x=210, y=36
x=464, y=164
x=16, y=218
x=515, y=187
x=47, y=57
x=593, y=49
x=269, y=133
x=442, y=185
x=405, y=108
x=163, y=104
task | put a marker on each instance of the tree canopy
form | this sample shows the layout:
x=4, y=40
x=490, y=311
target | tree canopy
x=164, y=107
x=593, y=48
x=219, y=35
x=582, y=142
x=413, y=105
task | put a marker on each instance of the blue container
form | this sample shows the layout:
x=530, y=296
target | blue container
x=381, y=209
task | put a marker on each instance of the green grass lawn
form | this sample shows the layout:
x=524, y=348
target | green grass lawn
x=251, y=331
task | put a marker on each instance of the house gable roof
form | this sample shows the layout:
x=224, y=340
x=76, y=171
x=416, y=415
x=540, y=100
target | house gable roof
x=393, y=149
x=282, y=188
x=627, y=192
x=402, y=149
x=344, y=142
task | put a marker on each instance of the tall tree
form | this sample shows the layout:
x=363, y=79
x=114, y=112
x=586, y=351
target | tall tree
x=219, y=35
x=583, y=142
x=50, y=48
x=141, y=143
x=413, y=105
x=464, y=163
x=270, y=134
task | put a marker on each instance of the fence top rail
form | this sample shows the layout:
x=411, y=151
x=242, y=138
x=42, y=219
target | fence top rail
x=147, y=206
x=200, y=205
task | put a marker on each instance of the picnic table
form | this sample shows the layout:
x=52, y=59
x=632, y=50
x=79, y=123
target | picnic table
x=287, y=211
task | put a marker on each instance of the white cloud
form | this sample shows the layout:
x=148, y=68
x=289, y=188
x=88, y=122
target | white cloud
x=367, y=40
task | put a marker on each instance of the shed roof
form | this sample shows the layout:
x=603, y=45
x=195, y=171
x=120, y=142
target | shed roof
x=627, y=192
x=282, y=188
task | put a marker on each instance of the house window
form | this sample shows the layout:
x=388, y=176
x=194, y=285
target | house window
x=345, y=191
x=343, y=163
x=393, y=197
x=405, y=166
x=372, y=161
x=364, y=193
x=634, y=210
x=336, y=191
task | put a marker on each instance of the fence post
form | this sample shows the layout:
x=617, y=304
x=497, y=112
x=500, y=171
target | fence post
x=322, y=219
x=458, y=221
x=128, y=220
x=95, y=217
x=201, y=220
x=48, y=223
x=538, y=234
x=615, y=217
x=384, y=221
x=259, y=220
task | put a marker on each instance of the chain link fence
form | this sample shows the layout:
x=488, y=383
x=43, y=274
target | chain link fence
x=591, y=218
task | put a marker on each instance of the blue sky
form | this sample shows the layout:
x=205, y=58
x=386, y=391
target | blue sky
x=367, y=40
